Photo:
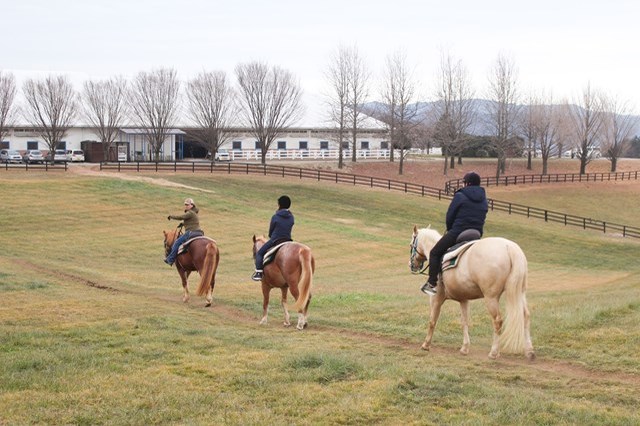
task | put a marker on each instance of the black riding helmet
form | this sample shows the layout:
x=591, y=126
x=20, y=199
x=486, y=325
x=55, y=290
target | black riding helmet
x=472, y=178
x=284, y=202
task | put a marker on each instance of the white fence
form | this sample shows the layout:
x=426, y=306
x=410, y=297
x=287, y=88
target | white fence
x=307, y=154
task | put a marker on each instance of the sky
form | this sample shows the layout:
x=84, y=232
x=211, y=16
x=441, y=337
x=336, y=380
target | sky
x=557, y=46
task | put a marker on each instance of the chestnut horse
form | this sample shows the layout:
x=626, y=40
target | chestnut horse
x=490, y=267
x=202, y=256
x=292, y=268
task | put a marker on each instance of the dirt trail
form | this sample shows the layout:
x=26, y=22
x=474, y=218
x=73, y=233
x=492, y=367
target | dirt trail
x=477, y=355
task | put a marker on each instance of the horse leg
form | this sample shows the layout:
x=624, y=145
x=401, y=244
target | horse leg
x=265, y=303
x=436, y=303
x=493, y=306
x=184, y=276
x=302, y=322
x=464, y=317
x=283, y=301
x=528, y=345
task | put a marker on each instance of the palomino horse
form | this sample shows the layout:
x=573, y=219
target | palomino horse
x=292, y=268
x=202, y=256
x=490, y=267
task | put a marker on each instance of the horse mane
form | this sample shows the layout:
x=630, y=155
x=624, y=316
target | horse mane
x=429, y=233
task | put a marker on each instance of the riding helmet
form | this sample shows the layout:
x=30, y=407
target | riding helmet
x=472, y=178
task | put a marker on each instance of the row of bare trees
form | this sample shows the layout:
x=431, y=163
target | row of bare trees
x=540, y=125
x=267, y=100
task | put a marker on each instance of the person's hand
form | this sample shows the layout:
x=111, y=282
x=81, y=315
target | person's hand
x=168, y=217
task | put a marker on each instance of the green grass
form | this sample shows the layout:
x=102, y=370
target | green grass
x=93, y=331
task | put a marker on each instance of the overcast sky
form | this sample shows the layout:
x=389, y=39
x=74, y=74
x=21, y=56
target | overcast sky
x=557, y=45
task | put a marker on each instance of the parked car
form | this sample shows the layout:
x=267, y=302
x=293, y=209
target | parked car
x=33, y=156
x=76, y=155
x=10, y=156
x=60, y=156
x=223, y=155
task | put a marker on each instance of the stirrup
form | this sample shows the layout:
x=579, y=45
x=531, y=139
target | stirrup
x=429, y=289
x=257, y=276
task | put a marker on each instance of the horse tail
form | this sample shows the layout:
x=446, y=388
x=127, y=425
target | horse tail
x=513, y=337
x=209, y=267
x=307, y=264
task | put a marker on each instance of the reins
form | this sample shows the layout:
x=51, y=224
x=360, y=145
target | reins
x=415, y=253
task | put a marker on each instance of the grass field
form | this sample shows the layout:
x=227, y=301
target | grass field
x=93, y=330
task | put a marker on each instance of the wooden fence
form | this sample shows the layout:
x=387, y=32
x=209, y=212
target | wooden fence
x=451, y=186
x=372, y=182
x=46, y=166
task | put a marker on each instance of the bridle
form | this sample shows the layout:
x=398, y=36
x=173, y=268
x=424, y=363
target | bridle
x=415, y=256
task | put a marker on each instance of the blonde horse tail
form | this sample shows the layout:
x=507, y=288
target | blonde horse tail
x=513, y=337
x=306, y=279
x=209, y=267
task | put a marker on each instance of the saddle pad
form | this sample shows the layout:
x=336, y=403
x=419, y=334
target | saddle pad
x=450, y=258
x=271, y=253
x=183, y=247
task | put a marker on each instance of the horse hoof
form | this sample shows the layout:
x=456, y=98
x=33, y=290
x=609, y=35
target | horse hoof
x=424, y=347
x=464, y=351
x=493, y=356
x=531, y=356
x=206, y=305
x=286, y=324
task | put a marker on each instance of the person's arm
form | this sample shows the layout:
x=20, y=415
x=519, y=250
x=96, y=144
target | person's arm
x=272, y=225
x=453, y=209
x=182, y=216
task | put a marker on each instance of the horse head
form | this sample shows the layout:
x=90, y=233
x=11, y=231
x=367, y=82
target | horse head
x=422, y=241
x=258, y=241
x=169, y=238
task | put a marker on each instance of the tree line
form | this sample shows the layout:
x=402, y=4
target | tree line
x=268, y=99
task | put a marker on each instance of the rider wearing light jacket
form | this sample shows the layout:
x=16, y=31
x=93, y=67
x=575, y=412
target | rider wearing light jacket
x=468, y=210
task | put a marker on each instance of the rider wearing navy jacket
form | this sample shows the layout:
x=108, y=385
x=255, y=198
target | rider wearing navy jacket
x=279, y=231
x=468, y=210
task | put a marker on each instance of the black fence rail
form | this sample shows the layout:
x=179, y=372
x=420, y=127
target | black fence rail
x=372, y=182
x=46, y=166
x=451, y=186
x=565, y=219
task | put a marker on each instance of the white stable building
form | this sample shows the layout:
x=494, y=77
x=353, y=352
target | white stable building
x=132, y=144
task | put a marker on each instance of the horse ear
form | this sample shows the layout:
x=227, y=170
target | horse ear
x=429, y=227
x=254, y=238
x=165, y=233
x=415, y=229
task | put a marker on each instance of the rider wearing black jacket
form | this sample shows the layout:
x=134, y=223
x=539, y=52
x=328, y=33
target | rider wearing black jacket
x=468, y=210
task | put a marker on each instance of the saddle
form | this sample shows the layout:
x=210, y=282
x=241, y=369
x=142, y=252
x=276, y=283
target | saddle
x=271, y=253
x=196, y=235
x=465, y=240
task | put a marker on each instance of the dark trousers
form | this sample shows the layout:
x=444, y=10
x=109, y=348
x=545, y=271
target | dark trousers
x=260, y=254
x=437, y=252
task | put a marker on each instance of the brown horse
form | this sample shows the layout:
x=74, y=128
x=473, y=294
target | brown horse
x=202, y=256
x=487, y=269
x=292, y=268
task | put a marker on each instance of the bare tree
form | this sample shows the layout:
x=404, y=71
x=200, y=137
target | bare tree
x=212, y=106
x=105, y=108
x=529, y=125
x=587, y=119
x=359, y=77
x=547, y=121
x=337, y=76
x=619, y=127
x=455, y=108
x=155, y=105
x=504, y=108
x=397, y=93
x=7, y=97
x=51, y=107
x=270, y=101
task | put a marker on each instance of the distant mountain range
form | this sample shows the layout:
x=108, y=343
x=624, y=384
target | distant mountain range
x=427, y=112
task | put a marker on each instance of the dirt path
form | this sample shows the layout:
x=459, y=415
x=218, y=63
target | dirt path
x=477, y=356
